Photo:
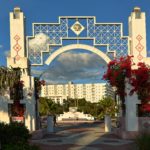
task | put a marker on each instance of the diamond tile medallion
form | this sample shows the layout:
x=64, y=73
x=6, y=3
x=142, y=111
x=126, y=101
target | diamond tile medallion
x=77, y=28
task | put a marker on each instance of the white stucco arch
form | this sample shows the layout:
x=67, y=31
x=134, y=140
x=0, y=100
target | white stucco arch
x=77, y=46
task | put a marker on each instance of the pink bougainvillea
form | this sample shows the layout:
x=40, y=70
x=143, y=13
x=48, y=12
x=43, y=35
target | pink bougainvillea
x=139, y=78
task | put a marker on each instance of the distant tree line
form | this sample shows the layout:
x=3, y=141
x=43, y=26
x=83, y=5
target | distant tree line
x=105, y=106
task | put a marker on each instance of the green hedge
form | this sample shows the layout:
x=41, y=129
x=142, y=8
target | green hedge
x=13, y=133
x=143, y=141
x=14, y=136
x=20, y=146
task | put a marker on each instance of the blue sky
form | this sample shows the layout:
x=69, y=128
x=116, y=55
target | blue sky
x=49, y=11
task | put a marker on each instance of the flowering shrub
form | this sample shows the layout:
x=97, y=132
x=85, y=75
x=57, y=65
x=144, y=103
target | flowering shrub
x=117, y=71
x=38, y=85
x=141, y=82
x=146, y=107
x=139, y=78
x=17, y=109
x=16, y=92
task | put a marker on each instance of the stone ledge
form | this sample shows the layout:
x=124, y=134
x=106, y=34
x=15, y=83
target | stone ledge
x=130, y=135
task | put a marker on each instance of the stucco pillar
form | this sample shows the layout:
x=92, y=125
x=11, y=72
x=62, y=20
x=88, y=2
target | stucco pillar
x=50, y=124
x=4, y=116
x=107, y=123
x=18, y=58
x=131, y=101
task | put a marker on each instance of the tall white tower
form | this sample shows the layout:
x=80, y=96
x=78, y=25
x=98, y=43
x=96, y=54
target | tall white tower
x=17, y=56
x=137, y=34
x=17, y=59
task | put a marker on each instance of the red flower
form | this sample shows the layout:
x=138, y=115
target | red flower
x=146, y=107
x=121, y=68
x=43, y=82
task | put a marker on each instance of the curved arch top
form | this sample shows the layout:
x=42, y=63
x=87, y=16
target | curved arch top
x=77, y=46
x=75, y=28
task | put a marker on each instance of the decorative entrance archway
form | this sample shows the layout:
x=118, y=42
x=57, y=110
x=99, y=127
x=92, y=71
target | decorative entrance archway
x=51, y=39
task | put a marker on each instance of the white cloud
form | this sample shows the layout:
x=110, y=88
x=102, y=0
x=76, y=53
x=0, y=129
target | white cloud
x=79, y=60
x=39, y=42
x=75, y=66
x=36, y=72
x=7, y=53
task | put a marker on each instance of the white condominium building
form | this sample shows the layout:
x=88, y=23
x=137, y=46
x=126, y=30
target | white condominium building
x=91, y=92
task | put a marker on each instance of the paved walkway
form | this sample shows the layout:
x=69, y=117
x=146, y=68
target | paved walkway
x=85, y=136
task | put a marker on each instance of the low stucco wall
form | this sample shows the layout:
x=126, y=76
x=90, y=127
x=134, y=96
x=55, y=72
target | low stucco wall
x=4, y=116
x=30, y=116
x=143, y=124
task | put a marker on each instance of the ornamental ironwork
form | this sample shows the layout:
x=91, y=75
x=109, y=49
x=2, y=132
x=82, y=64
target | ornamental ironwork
x=48, y=37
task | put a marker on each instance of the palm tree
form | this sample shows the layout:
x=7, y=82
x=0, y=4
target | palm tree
x=48, y=107
x=9, y=78
x=107, y=105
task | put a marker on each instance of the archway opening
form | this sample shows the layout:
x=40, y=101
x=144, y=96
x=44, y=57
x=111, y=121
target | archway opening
x=81, y=66
x=76, y=65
